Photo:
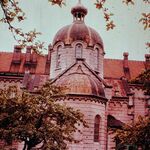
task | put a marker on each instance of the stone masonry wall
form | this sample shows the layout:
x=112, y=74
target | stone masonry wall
x=67, y=58
x=90, y=108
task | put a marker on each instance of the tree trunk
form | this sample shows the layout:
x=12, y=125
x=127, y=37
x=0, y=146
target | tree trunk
x=29, y=147
x=25, y=145
x=146, y=147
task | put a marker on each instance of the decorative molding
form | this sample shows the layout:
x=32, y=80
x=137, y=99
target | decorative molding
x=78, y=97
x=135, y=86
x=119, y=98
x=84, y=44
x=59, y=43
x=11, y=79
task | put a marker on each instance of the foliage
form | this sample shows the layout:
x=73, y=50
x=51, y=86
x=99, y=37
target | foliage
x=137, y=133
x=57, y=2
x=36, y=119
x=100, y=5
x=12, y=12
x=144, y=79
x=145, y=20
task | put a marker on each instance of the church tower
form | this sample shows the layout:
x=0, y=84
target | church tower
x=74, y=41
x=77, y=57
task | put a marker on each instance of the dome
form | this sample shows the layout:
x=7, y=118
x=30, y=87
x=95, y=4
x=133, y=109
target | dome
x=81, y=84
x=78, y=31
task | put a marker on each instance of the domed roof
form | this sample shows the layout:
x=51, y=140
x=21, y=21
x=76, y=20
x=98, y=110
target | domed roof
x=82, y=84
x=78, y=30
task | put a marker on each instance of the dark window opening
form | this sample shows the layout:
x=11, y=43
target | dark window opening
x=96, y=128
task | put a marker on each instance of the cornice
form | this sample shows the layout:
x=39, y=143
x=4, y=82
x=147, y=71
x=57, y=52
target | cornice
x=79, y=97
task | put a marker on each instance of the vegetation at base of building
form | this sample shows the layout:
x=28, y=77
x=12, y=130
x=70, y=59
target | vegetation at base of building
x=12, y=12
x=37, y=119
x=144, y=79
x=136, y=134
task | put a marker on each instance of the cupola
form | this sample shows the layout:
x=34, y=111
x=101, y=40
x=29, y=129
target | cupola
x=77, y=40
x=79, y=12
x=78, y=30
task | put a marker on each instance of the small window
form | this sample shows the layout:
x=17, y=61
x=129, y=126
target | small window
x=78, y=50
x=96, y=128
x=58, y=57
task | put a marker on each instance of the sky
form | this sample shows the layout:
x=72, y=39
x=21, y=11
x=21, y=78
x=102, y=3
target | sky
x=128, y=36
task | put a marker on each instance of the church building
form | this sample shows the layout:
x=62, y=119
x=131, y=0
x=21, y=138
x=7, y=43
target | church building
x=97, y=86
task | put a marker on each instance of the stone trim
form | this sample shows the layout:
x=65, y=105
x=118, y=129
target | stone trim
x=136, y=86
x=120, y=98
x=11, y=79
x=81, y=97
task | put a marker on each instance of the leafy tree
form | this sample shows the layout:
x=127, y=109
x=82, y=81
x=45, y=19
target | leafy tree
x=144, y=79
x=36, y=119
x=13, y=12
x=137, y=133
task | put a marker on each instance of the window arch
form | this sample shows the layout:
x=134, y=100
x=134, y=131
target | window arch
x=78, y=50
x=96, y=128
x=58, y=56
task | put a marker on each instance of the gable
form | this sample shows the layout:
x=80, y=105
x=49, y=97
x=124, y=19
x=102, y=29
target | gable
x=81, y=67
x=79, y=79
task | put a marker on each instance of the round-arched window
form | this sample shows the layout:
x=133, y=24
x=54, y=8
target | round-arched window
x=58, y=56
x=97, y=58
x=96, y=128
x=78, y=50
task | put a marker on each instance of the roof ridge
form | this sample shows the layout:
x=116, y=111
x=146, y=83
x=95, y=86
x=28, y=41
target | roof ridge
x=5, y=52
x=122, y=60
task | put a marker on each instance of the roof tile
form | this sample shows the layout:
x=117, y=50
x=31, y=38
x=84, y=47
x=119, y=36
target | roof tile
x=113, y=68
x=6, y=63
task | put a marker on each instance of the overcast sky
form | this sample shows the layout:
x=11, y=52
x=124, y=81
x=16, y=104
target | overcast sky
x=128, y=35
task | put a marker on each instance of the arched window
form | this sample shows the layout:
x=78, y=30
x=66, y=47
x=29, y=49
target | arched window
x=58, y=57
x=96, y=128
x=97, y=58
x=78, y=50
